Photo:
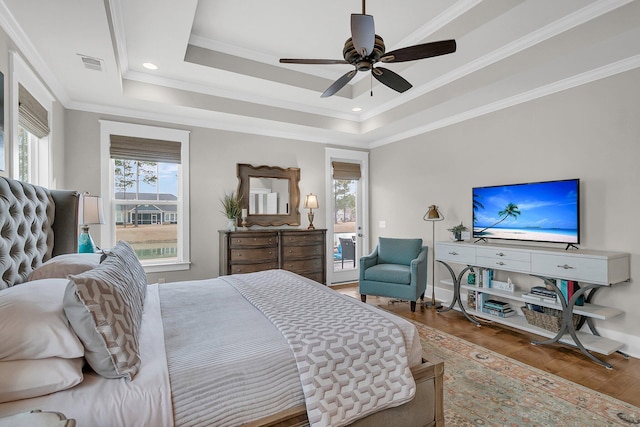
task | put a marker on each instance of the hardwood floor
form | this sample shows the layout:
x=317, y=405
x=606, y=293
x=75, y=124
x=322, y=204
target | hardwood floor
x=621, y=382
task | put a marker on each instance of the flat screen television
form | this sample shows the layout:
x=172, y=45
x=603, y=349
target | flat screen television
x=537, y=212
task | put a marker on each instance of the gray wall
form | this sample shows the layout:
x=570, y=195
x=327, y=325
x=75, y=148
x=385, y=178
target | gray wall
x=213, y=158
x=590, y=132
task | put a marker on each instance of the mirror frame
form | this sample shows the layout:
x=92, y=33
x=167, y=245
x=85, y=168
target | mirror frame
x=246, y=171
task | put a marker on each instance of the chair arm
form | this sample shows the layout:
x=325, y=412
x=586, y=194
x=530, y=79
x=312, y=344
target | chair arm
x=419, y=270
x=369, y=260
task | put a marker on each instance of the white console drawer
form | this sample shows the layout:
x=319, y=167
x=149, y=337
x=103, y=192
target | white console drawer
x=504, y=264
x=455, y=253
x=591, y=270
x=504, y=254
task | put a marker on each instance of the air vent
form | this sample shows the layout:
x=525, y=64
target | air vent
x=91, y=63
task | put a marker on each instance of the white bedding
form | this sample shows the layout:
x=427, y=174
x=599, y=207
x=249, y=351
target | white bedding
x=144, y=401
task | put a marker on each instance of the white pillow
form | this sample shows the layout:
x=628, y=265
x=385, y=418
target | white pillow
x=22, y=379
x=63, y=265
x=33, y=324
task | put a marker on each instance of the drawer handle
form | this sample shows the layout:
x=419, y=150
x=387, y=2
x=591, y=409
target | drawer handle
x=500, y=254
x=566, y=267
x=453, y=253
x=500, y=263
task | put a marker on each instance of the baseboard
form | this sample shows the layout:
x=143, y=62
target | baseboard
x=632, y=342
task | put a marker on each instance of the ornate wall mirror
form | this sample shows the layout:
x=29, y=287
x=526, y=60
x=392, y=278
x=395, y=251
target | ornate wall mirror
x=270, y=194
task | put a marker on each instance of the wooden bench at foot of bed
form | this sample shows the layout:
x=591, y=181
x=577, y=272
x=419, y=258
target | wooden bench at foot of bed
x=425, y=409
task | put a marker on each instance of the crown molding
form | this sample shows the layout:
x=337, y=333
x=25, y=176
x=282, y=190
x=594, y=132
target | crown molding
x=31, y=55
x=231, y=123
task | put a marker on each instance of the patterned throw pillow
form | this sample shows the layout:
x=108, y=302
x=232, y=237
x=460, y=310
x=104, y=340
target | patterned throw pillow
x=104, y=306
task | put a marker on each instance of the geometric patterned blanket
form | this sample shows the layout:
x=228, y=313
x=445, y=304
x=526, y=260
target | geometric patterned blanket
x=352, y=361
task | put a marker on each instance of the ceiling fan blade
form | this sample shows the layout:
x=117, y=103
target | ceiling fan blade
x=391, y=79
x=420, y=51
x=312, y=61
x=363, y=33
x=339, y=84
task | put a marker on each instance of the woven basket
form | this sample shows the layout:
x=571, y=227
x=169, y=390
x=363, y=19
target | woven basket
x=550, y=319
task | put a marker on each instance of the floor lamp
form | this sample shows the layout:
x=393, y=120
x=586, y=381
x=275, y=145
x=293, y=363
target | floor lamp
x=433, y=215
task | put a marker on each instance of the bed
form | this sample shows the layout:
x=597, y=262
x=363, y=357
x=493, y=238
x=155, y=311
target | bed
x=232, y=350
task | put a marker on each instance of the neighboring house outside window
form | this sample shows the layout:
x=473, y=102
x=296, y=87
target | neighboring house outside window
x=148, y=192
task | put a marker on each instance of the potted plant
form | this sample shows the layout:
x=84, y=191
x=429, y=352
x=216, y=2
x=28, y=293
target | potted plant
x=457, y=231
x=232, y=209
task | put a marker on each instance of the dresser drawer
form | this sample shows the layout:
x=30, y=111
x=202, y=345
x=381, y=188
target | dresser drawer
x=303, y=265
x=302, y=238
x=504, y=254
x=591, y=270
x=256, y=255
x=255, y=240
x=504, y=264
x=456, y=253
x=252, y=268
x=290, y=252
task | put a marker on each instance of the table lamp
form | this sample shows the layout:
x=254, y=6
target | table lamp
x=311, y=203
x=89, y=212
x=433, y=215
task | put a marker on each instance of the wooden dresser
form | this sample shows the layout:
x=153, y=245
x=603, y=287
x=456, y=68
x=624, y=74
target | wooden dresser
x=300, y=251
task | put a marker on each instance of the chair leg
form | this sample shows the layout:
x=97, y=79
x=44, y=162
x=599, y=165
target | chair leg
x=363, y=298
x=413, y=306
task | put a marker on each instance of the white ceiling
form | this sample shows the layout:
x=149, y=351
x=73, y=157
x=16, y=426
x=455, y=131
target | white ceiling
x=218, y=60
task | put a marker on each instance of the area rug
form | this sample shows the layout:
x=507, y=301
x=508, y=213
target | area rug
x=484, y=388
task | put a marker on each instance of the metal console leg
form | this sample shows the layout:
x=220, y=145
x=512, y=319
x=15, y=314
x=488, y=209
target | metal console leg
x=567, y=320
x=456, y=293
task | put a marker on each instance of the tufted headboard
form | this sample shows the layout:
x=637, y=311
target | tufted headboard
x=35, y=224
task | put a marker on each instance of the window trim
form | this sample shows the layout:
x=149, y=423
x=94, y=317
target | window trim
x=107, y=231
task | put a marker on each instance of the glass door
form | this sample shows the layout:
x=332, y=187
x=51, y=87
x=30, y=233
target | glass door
x=346, y=214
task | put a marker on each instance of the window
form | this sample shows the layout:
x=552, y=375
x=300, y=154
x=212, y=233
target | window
x=148, y=192
x=33, y=158
x=31, y=118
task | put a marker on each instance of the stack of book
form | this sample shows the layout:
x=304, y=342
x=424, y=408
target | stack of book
x=498, y=308
x=542, y=294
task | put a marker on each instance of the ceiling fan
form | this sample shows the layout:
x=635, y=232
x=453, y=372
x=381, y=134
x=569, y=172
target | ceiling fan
x=365, y=48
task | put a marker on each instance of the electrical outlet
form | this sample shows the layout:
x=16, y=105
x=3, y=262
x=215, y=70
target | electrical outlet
x=382, y=224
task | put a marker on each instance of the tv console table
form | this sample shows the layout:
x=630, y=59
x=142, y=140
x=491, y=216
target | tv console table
x=593, y=269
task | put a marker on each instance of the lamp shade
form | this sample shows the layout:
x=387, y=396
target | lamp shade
x=91, y=211
x=311, y=201
x=433, y=214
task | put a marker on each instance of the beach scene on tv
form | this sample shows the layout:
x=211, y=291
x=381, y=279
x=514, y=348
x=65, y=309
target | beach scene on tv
x=543, y=211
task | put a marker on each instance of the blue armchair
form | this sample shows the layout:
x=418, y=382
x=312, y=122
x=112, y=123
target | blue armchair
x=397, y=268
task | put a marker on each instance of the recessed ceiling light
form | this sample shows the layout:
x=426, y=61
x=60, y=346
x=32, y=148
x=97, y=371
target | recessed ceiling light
x=150, y=66
x=356, y=109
